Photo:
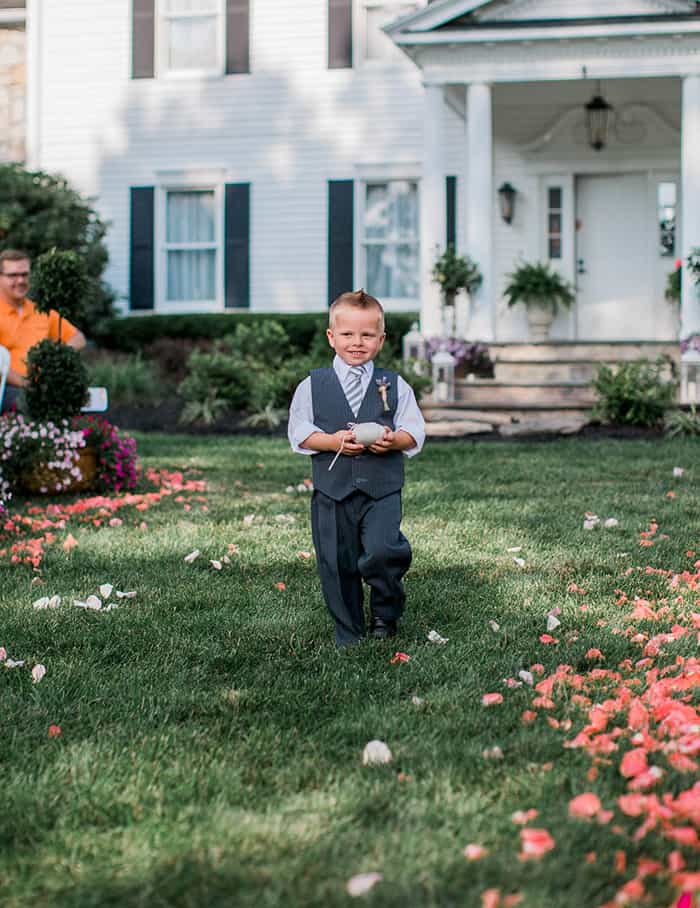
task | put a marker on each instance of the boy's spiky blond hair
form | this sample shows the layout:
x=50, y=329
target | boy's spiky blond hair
x=356, y=299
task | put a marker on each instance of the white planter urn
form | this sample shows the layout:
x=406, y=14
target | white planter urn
x=539, y=321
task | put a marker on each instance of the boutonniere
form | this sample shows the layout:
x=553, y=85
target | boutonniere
x=383, y=387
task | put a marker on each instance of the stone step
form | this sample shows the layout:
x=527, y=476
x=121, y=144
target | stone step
x=574, y=351
x=488, y=394
x=554, y=372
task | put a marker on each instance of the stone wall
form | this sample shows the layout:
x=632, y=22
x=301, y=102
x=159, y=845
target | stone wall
x=13, y=86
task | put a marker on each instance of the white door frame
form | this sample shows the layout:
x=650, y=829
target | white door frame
x=563, y=171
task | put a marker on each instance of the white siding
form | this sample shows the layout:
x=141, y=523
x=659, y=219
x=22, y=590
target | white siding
x=288, y=127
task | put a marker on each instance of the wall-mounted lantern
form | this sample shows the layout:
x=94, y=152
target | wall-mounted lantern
x=506, y=199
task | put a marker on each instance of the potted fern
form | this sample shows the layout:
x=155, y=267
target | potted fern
x=454, y=273
x=543, y=291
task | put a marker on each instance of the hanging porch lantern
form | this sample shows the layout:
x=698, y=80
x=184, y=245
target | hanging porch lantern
x=443, y=377
x=597, y=120
x=506, y=199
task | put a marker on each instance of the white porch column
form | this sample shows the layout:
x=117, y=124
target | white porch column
x=480, y=206
x=690, y=205
x=432, y=208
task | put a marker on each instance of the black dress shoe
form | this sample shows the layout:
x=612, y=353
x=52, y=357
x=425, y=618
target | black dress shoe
x=382, y=628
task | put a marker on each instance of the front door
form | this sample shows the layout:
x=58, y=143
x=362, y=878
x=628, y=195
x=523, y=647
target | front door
x=614, y=261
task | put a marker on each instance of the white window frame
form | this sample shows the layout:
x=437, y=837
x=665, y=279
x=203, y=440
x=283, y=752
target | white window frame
x=184, y=182
x=383, y=174
x=161, y=49
x=359, y=29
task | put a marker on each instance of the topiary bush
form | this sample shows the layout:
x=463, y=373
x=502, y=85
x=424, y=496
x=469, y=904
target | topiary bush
x=60, y=281
x=635, y=393
x=39, y=212
x=57, y=382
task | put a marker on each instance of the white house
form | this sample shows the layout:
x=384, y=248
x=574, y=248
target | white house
x=266, y=154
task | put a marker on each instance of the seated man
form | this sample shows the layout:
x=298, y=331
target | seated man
x=21, y=326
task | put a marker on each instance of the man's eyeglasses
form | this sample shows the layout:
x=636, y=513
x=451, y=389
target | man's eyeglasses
x=15, y=276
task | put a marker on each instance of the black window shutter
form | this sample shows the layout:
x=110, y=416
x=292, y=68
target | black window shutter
x=142, y=39
x=339, y=34
x=142, y=263
x=451, y=211
x=237, y=36
x=237, y=243
x=340, y=237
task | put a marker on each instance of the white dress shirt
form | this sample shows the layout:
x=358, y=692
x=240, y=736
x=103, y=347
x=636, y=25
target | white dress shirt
x=301, y=412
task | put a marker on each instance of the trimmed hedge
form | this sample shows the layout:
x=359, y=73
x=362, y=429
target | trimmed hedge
x=132, y=333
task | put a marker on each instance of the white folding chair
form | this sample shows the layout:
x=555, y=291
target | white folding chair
x=4, y=369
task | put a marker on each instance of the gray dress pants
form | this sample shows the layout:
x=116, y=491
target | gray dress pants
x=359, y=539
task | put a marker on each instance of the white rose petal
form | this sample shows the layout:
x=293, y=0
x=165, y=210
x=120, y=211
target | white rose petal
x=38, y=673
x=41, y=603
x=226, y=560
x=495, y=626
x=14, y=663
x=215, y=564
x=130, y=595
x=552, y=623
x=191, y=557
x=375, y=753
x=519, y=561
x=290, y=490
x=515, y=549
x=492, y=753
x=434, y=637
x=248, y=519
x=678, y=472
x=54, y=601
x=302, y=488
x=362, y=883
x=526, y=677
x=417, y=701
x=94, y=603
x=611, y=522
x=590, y=524
x=78, y=603
x=106, y=590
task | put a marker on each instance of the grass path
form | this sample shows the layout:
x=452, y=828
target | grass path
x=211, y=734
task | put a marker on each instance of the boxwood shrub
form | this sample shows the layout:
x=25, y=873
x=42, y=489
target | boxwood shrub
x=133, y=333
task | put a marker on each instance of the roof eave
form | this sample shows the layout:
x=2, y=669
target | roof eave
x=526, y=32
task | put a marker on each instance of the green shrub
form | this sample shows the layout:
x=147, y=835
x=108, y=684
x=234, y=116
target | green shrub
x=634, y=393
x=135, y=333
x=57, y=382
x=255, y=370
x=39, y=212
x=537, y=284
x=129, y=379
x=682, y=422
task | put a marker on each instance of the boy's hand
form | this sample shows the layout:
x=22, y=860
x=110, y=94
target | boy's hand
x=385, y=443
x=346, y=438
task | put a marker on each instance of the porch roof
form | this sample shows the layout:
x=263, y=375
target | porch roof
x=476, y=21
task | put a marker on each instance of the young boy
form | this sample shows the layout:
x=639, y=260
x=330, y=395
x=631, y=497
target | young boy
x=356, y=506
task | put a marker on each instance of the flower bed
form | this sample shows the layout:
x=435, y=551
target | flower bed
x=54, y=457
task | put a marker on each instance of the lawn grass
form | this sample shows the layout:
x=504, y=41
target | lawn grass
x=211, y=733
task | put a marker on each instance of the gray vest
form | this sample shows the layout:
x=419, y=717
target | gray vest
x=376, y=475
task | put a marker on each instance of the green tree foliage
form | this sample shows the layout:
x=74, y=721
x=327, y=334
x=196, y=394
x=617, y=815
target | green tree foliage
x=39, y=212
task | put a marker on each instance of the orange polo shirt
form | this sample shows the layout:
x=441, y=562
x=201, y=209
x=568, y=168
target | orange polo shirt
x=20, y=331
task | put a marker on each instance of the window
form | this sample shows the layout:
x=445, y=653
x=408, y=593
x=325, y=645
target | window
x=554, y=222
x=666, y=207
x=390, y=239
x=192, y=247
x=191, y=36
x=376, y=45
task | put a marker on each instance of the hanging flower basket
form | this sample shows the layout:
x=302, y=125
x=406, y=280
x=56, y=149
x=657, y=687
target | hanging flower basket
x=44, y=480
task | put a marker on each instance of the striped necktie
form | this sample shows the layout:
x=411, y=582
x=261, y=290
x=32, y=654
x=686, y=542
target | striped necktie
x=353, y=388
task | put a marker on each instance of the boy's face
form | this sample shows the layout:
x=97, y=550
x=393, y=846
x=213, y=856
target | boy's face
x=356, y=335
